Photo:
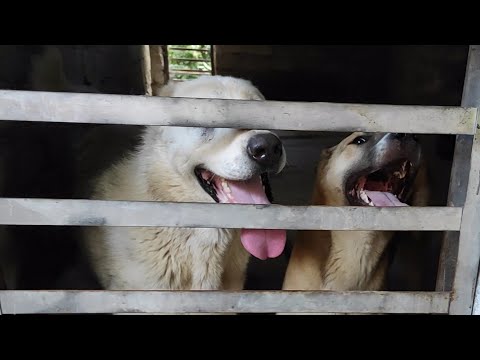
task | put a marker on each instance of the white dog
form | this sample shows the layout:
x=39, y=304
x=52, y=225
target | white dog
x=185, y=165
x=189, y=165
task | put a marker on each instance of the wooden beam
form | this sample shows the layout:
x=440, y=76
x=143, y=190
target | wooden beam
x=276, y=115
x=54, y=302
x=469, y=241
x=459, y=173
x=16, y=211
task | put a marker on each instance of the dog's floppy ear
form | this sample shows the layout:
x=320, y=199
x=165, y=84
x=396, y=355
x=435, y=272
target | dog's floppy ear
x=167, y=90
x=327, y=153
x=259, y=94
x=253, y=91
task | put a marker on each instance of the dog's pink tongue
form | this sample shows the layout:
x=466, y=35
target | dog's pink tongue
x=263, y=244
x=260, y=243
x=380, y=198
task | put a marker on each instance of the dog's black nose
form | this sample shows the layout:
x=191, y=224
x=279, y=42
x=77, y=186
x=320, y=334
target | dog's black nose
x=265, y=149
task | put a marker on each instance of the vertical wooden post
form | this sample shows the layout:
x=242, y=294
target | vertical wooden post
x=460, y=171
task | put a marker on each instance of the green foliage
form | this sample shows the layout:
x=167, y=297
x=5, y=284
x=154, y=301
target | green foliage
x=190, y=60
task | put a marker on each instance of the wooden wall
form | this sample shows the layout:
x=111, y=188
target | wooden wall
x=38, y=160
x=426, y=75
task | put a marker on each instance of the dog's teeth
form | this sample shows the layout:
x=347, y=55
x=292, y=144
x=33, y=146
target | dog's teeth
x=226, y=187
x=400, y=174
x=364, y=197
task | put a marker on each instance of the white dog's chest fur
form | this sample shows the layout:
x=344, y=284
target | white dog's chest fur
x=164, y=258
x=141, y=258
x=163, y=169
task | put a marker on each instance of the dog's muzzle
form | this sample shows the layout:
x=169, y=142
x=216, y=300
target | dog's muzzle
x=266, y=150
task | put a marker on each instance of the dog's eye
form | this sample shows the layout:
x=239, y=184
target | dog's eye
x=359, y=140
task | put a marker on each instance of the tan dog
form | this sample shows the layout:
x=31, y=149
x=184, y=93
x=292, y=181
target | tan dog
x=362, y=170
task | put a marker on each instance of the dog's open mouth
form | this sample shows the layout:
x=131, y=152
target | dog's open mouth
x=260, y=243
x=388, y=186
x=216, y=186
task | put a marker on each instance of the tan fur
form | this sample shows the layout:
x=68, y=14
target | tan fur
x=341, y=260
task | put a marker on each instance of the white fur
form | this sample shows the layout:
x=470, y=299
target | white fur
x=163, y=170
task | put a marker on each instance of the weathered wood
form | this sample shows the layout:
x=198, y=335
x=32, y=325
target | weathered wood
x=469, y=241
x=146, y=69
x=159, y=67
x=276, y=115
x=34, y=302
x=459, y=173
x=201, y=215
x=476, y=304
x=456, y=197
x=3, y=286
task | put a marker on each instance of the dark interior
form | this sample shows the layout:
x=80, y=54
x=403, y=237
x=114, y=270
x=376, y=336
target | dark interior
x=38, y=160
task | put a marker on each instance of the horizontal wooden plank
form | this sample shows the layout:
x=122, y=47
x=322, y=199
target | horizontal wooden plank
x=202, y=215
x=189, y=60
x=189, y=72
x=275, y=115
x=43, y=302
x=188, y=49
